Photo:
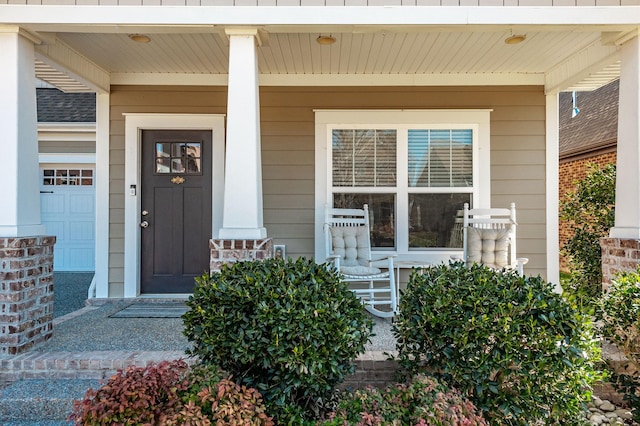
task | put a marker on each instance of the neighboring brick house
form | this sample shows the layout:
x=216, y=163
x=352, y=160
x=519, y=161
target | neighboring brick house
x=590, y=137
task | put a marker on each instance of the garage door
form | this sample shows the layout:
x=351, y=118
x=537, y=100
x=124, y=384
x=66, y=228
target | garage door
x=67, y=203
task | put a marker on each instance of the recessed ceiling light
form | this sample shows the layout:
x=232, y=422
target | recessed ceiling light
x=515, y=39
x=140, y=38
x=326, y=40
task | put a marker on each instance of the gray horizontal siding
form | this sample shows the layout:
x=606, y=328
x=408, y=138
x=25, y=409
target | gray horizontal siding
x=288, y=138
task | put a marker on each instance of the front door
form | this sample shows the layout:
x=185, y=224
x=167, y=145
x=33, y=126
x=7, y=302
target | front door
x=176, y=209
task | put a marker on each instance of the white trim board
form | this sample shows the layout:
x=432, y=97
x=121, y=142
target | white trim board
x=66, y=158
x=119, y=17
x=134, y=123
x=451, y=79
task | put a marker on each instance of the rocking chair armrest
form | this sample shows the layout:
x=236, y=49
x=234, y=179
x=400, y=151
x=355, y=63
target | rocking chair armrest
x=378, y=259
x=388, y=258
x=335, y=259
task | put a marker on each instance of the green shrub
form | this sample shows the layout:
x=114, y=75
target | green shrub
x=510, y=344
x=590, y=215
x=619, y=315
x=423, y=401
x=290, y=329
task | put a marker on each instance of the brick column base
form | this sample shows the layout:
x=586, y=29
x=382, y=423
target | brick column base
x=232, y=251
x=618, y=255
x=26, y=292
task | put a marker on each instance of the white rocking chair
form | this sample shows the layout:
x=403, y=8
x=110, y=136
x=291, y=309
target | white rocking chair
x=489, y=238
x=348, y=247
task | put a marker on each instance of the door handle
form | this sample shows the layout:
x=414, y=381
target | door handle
x=144, y=224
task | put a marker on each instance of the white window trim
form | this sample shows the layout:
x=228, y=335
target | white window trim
x=326, y=120
x=134, y=124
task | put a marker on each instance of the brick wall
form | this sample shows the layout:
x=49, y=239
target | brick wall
x=231, y=251
x=570, y=171
x=26, y=292
x=618, y=255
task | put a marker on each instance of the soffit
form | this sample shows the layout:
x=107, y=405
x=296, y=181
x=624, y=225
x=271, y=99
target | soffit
x=363, y=52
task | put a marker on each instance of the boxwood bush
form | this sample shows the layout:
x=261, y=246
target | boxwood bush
x=290, y=329
x=515, y=348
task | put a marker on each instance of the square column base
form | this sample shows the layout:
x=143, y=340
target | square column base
x=618, y=255
x=26, y=292
x=228, y=252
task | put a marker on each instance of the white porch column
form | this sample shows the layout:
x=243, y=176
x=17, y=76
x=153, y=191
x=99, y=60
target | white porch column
x=627, y=215
x=101, y=277
x=242, y=214
x=552, y=146
x=621, y=251
x=19, y=174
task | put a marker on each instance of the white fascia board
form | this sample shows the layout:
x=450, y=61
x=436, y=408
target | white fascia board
x=68, y=132
x=480, y=79
x=72, y=126
x=318, y=16
x=169, y=79
x=68, y=158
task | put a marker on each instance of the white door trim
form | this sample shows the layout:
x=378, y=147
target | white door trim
x=134, y=124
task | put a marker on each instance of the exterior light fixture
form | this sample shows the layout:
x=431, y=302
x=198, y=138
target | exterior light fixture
x=575, y=110
x=326, y=40
x=140, y=38
x=515, y=39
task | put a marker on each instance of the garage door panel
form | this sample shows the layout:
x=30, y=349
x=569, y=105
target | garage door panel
x=81, y=231
x=80, y=257
x=81, y=203
x=52, y=203
x=54, y=228
x=67, y=211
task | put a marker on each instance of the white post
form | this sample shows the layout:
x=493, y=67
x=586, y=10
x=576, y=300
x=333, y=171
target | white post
x=19, y=174
x=552, y=185
x=627, y=220
x=242, y=214
x=101, y=277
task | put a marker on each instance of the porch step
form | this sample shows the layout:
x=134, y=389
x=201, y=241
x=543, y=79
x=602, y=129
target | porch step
x=77, y=365
x=40, y=400
x=38, y=388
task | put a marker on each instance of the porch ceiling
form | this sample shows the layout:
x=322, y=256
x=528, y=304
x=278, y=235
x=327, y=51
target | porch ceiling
x=415, y=51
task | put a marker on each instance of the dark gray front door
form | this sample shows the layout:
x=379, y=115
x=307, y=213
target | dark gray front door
x=175, y=210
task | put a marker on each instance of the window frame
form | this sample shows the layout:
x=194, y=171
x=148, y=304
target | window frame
x=402, y=120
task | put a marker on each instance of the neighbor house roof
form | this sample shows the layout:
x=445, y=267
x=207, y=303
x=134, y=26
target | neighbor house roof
x=595, y=127
x=55, y=106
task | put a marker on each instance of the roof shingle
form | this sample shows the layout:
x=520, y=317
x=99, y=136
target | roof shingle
x=55, y=106
x=595, y=127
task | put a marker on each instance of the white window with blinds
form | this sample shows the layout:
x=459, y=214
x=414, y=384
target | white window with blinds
x=415, y=170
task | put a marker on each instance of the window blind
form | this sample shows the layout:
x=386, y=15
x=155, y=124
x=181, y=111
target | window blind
x=440, y=158
x=364, y=158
